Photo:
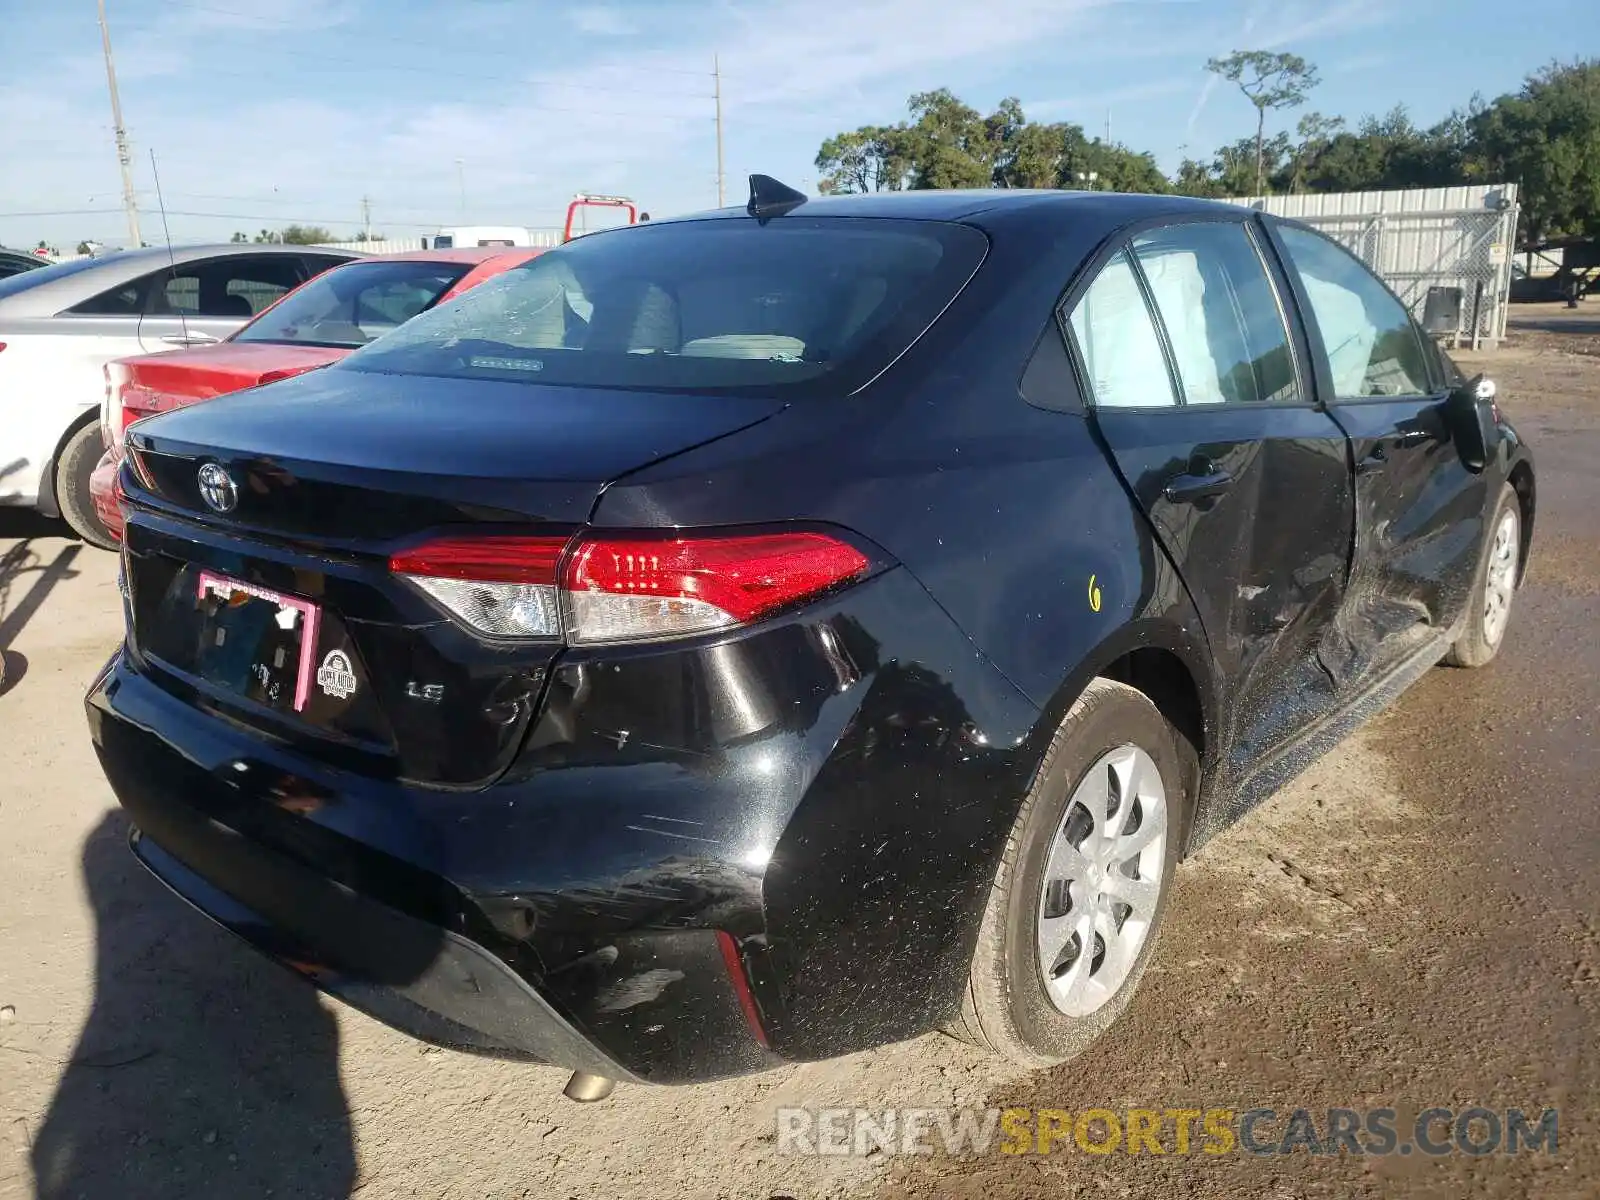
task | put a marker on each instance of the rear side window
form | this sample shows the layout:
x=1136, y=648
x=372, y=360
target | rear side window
x=1221, y=314
x=793, y=306
x=352, y=305
x=1117, y=342
x=1371, y=343
x=229, y=288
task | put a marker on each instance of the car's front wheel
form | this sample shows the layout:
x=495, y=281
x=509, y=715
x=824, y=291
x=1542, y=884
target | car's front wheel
x=1489, y=610
x=1072, y=917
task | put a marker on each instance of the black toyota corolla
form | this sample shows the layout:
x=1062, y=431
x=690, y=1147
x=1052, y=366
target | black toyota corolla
x=769, y=634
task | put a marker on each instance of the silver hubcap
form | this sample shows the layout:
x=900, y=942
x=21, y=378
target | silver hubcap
x=1500, y=579
x=1101, y=881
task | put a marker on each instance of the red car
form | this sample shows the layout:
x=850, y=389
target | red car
x=316, y=324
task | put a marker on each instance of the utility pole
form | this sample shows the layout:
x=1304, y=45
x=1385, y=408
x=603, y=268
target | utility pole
x=1108, y=126
x=716, y=79
x=124, y=159
x=366, y=219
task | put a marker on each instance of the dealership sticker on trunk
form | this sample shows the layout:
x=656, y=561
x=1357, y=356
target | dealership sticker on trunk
x=335, y=675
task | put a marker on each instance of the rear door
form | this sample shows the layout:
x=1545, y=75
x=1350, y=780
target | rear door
x=1200, y=392
x=1419, y=511
x=201, y=302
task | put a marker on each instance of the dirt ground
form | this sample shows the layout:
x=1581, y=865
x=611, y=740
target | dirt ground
x=1412, y=922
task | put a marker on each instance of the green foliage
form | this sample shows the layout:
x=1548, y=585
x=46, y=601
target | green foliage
x=949, y=144
x=305, y=235
x=239, y=237
x=1546, y=137
x=1268, y=80
x=291, y=235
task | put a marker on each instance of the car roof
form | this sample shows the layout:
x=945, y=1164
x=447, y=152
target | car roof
x=986, y=207
x=47, y=293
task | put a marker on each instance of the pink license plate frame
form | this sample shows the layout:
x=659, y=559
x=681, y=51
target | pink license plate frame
x=310, y=620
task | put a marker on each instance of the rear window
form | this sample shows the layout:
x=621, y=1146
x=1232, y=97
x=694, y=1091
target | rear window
x=804, y=305
x=40, y=276
x=350, y=306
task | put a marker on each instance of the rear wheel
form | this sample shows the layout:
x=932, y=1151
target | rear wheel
x=79, y=458
x=1490, y=608
x=1072, y=917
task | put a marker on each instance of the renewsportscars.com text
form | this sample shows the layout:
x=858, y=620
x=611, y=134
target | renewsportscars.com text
x=1433, y=1131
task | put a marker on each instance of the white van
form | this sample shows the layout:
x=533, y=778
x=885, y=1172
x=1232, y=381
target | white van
x=481, y=235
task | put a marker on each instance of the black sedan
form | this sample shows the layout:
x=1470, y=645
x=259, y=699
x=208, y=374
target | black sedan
x=769, y=634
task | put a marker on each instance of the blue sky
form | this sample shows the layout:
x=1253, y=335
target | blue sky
x=265, y=112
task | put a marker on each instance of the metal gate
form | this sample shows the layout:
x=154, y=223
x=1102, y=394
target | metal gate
x=1423, y=238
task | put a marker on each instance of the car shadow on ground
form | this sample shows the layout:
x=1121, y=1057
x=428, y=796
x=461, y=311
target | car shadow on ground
x=28, y=573
x=202, y=1070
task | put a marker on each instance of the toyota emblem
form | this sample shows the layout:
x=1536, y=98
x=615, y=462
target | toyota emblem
x=218, y=489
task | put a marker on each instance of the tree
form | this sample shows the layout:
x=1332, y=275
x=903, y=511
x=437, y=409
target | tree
x=1195, y=178
x=1546, y=138
x=950, y=142
x=239, y=237
x=305, y=235
x=1269, y=80
x=1315, y=132
x=872, y=159
x=267, y=238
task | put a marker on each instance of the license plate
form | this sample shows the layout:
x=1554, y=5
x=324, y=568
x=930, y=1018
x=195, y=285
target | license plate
x=256, y=641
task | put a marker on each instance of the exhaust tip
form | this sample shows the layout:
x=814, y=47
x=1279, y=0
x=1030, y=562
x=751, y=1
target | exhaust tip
x=586, y=1088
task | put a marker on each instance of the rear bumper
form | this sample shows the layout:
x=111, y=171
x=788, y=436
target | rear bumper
x=707, y=858
x=390, y=936
x=103, y=491
x=425, y=981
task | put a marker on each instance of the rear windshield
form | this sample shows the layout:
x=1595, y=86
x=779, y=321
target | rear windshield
x=352, y=305
x=802, y=305
x=40, y=276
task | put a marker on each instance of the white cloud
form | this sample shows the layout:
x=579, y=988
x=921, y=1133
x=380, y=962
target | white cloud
x=601, y=22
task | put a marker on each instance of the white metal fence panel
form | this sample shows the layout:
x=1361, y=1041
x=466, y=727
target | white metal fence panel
x=537, y=237
x=1422, y=238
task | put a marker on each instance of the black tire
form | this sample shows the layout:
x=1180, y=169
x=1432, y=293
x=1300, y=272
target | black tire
x=1475, y=647
x=79, y=458
x=1006, y=1008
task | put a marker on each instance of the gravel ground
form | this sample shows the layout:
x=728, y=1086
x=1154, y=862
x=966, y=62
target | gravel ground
x=1412, y=922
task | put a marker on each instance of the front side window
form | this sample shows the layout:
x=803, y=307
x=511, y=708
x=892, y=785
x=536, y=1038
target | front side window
x=796, y=306
x=1117, y=342
x=1369, y=338
x=1221, y=314
x=352, y=305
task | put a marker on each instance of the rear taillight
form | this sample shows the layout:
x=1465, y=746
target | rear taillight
x=505, y=587
x=626, y=589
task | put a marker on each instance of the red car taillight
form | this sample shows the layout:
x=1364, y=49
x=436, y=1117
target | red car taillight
x=637, y=588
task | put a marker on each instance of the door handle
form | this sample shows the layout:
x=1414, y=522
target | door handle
x=190, y=339
x=1192, y=488
x=1410, y=437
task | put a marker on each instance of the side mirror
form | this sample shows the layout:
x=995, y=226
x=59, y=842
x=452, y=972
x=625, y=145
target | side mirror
x=1474, y=422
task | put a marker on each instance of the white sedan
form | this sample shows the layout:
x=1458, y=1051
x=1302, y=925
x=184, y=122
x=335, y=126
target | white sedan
x=60, y=325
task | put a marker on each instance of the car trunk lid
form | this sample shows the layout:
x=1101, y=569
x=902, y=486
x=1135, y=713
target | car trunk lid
x=283, y=611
